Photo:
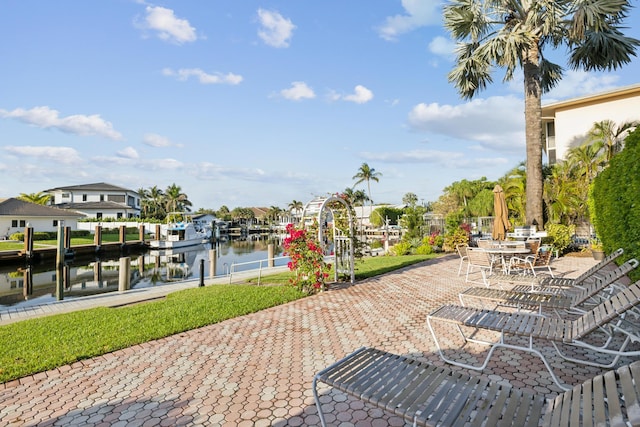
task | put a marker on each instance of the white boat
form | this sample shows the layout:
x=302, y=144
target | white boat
x=180, y=234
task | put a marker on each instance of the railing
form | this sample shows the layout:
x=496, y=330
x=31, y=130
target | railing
x=232, y=268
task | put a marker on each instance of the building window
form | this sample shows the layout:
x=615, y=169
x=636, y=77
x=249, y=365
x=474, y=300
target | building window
x=99, y=215
x=102, y=197
x=55, y=222
x=14, y=223
x=66, y=195
x=84, y=197
x=119, y=215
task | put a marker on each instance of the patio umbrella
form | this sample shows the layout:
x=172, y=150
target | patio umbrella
x=501, y=215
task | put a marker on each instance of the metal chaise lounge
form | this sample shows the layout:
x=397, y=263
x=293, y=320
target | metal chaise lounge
x=550, y=297
x=428, y=395
x=574, y=332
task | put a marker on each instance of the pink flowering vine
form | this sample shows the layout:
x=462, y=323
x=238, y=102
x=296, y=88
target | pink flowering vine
x=307, y=260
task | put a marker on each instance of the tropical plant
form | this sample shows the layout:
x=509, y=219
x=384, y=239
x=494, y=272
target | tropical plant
x=296, y=206
x=507, y=35
x=37, y=198
x=307, y=260
x=368, y=174
x=513, y=184
x=609, y=137
x=410, y=199
x=176, y=200
x=355, y=197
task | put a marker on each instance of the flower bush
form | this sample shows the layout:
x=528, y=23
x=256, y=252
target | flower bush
x=307, y=260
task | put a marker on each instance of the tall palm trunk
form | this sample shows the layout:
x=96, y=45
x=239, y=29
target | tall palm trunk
x=533, y=131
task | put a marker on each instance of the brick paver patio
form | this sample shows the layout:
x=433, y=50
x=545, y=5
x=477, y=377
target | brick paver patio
x=256, y=370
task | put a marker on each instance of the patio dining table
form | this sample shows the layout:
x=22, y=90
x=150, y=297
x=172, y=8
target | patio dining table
x=504, y=254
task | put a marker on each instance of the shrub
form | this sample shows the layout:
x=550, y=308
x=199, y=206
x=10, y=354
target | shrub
x=617, y=204
x=457, y=236
x=560, y=236
x=424, y=249
x=376, y=244
x=401, y=248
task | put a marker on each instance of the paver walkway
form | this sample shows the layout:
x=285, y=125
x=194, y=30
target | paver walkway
x=256, y=370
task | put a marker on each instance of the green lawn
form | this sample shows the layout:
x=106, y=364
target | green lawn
x=40, y=344
x=76, y=241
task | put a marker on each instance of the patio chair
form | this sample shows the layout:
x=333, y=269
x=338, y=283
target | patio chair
x=478, y=258
x=574, y=332
x=461, y=250
x=541, y=258
x=428, y=395
x=552, y=297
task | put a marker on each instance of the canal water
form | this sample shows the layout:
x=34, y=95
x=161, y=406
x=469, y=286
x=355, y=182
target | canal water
x=37, y=284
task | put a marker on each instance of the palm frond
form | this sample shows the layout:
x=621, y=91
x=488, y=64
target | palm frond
x=603, y=51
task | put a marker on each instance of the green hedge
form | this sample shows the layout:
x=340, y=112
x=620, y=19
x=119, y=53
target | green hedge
x=48, y=235
x=616, y=200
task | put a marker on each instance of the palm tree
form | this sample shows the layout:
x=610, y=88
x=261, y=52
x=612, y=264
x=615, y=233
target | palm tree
x=609, y=137
x=39, y=198
x=356, y=197
x=296, y=206
x=365, y=173
x=176, y=200
x=515, y=33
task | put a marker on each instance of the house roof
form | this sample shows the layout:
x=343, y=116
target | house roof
x=259, y=212
x=621, y=92
x=15, y=207
x=98, y=186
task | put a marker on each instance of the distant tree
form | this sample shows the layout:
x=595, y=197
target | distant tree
x=609, y=137
x=368, y=174
x=273, y=214
x=223, y=213
x=355, y=197
x=296, y=206
x=502, y=35
x=410, y=199
x=176, y=200
x=39, y=198
x=242, y=214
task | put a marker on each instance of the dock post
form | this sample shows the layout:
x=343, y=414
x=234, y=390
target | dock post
x=270, y=251
x=123, y=235
x=124, y=276
x=141, y=233
x=201, y=273
x=213, y=261
x=97, y=237
x=28, y=242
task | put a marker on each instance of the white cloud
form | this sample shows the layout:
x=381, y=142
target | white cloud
x=418, y=13
x=45, y=117
x=64, y=155
x=275, y=31
x=204, y=78
x=298, y=91
x=496, y=123
x=579, y=83
x=362, y=95
x=155, y=140
x=442, y=46
x=128, y=153
x=168, y=26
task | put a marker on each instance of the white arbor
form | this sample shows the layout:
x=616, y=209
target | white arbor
x=322, y=211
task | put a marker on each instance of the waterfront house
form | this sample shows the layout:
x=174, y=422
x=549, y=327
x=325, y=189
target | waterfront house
x=566, y=124
x=16, y=214
x=99, y=200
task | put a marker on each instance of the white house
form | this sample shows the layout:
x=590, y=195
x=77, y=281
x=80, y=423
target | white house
x=99, y=200
x=15, y=215
x=567, y=123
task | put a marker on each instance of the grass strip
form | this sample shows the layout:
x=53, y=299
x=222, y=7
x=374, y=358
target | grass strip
x=40, y=344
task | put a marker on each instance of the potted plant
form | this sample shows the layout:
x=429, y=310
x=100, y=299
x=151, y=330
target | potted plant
x=596, y=249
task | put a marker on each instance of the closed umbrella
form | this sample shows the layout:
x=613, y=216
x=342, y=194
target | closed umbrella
x=501, y=214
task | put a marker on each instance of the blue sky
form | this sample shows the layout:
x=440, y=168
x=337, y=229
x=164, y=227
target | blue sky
x=251, y=103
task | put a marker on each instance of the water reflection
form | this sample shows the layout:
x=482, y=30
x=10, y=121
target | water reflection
x=41, y=283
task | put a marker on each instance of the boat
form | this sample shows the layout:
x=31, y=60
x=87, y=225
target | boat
x=180, y=233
